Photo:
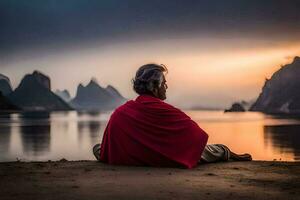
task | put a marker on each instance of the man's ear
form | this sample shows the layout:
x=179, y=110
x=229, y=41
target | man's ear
x=155, y=92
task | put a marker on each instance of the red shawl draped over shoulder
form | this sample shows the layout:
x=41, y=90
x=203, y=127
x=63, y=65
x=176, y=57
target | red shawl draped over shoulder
x=148, y=131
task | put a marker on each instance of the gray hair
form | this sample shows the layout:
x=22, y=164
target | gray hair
x=148, y=77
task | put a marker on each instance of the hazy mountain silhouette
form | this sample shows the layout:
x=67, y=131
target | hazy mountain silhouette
x=95, y=97
x=281, y=93
x=5, y=85
x=64, y=94
x=34, y=93
x=114, y=92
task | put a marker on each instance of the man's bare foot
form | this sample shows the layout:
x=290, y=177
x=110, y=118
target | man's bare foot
x=240, y=157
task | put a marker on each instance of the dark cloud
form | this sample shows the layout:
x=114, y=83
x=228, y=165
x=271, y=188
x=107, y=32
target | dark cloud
x=25, y=24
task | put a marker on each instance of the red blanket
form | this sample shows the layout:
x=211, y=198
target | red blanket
x=148, y=131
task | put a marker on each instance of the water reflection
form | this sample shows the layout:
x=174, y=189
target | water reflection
x=5, y=134
x=34, y=115
x=35, y=132
x=71, y=135
x=92, y=128
x=90, y=113
x=284, y=138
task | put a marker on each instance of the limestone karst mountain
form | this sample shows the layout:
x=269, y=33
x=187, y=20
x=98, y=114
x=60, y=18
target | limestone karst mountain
x=94, y=97
x=34, y=93
x=281, y=93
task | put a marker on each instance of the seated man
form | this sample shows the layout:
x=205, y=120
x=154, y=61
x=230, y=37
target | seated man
x=147, y=131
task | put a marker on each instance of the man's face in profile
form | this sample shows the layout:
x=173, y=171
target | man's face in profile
x=163, y=89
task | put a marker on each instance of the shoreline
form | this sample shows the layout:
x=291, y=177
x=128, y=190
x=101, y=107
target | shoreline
x=91, y=179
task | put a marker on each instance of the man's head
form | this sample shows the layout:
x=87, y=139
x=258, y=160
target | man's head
x=150, y=79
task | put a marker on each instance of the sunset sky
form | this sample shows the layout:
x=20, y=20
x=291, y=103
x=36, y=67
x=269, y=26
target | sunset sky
x=216, y=51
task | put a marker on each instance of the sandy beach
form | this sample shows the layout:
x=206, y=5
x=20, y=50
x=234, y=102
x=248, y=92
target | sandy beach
x=94, y=180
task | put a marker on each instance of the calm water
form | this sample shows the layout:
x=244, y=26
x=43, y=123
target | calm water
x=71, y=135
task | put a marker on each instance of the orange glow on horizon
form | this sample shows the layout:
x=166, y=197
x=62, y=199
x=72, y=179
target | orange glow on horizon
x=199, y=69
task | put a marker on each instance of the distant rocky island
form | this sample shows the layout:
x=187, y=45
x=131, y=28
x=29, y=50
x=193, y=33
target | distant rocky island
x=241, y=106
x=236, y=107
x=280, y=94
x=34, y=94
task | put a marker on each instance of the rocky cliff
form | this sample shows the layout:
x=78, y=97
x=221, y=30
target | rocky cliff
x=281, y=93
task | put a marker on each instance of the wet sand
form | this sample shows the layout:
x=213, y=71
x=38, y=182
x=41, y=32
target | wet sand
x=93, y=180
